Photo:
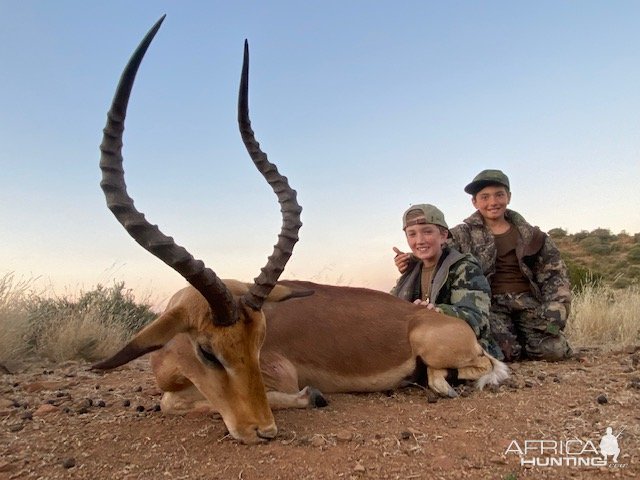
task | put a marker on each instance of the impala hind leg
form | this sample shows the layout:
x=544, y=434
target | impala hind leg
x=436, y=378
x=482, y=367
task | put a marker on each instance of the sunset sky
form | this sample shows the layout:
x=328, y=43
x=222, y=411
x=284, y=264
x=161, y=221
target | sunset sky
x=366, y=106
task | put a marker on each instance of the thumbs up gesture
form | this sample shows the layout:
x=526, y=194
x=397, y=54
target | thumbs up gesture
x=401, y=260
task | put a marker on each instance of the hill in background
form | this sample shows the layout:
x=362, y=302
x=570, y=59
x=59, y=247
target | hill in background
x=600, y=256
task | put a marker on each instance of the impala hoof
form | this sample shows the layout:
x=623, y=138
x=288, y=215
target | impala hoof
x=316, y=399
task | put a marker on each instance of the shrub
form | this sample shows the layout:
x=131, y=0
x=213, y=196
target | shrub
x=582, y=234
x=557, y=233
x=581, y=277
x=91, y=327
x=633, y=255
x=601, y=233
x=595, y=246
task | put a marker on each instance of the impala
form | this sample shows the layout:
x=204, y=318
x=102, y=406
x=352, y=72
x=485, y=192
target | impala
x=210, y=350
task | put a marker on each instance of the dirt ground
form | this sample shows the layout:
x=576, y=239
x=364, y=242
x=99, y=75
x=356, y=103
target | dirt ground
x=67, y=422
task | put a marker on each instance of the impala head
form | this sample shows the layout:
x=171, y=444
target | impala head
x=223, y=320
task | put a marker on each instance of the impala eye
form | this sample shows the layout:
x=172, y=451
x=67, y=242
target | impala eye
x=209, y=358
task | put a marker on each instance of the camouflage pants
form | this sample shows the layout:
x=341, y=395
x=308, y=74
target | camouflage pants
x=521, y=329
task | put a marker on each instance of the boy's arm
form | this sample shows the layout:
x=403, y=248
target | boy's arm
x=552, y=277
x=470, y=297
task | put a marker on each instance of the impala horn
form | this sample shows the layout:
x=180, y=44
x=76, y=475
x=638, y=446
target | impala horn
x=153, y=240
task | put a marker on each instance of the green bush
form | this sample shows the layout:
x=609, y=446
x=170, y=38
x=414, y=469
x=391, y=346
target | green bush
x=557, y=233
x=595, y=246
x=633, y=255
x=601, y=233
x=582, y=277
x=582, y=234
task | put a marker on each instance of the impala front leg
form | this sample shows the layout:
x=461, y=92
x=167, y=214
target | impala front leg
x=308, y=397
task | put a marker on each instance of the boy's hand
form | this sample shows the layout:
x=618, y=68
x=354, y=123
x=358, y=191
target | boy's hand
x=401, y=260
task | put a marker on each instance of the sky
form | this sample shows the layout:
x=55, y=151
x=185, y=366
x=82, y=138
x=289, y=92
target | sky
x=366, y=106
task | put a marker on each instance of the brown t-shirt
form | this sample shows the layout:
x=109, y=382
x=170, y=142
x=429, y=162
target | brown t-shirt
x=425, y=282
x=508, y=278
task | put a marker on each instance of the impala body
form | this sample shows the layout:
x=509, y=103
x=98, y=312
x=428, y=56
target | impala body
x=340, y=339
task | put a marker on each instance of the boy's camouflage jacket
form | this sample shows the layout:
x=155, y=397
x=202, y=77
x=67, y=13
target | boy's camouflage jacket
x=538, y=257
x=459, y=289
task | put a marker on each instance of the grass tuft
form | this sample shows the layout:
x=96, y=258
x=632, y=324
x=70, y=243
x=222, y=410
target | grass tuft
x=90, y=327
x=605, y=317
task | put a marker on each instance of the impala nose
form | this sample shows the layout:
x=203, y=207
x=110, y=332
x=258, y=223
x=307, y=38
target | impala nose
x=268, y=432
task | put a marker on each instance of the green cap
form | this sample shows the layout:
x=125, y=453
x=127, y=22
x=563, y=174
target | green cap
x=486, y=178
x=423, y=213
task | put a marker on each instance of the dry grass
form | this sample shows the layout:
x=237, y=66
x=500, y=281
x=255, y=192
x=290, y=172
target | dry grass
x=604, y=317
x=90, y=327
x=14, y=320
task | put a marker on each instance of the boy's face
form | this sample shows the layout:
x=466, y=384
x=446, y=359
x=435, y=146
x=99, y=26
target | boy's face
x=492, y=202
x=425, y=241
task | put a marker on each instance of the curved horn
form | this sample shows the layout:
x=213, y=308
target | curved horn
x=264, y=283
x=121, y=204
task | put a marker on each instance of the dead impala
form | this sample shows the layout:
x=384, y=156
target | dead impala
x=339, y=339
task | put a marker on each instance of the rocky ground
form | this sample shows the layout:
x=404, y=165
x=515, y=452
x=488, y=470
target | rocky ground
x=67, y=422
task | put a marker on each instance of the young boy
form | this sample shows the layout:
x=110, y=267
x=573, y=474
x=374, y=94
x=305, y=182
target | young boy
x=530, y=289
x=442, y=278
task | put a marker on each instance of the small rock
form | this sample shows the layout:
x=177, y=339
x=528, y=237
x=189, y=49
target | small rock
x=359, y=468
x=126, y=403
x=344, y=436
x=16, y=427
x=318, y=441
x=82, y=410
x=139, y=408
x=101, y=404
x=528, y=384
x=27, y=416
x=602, y=399
x=405, y=435
x=69, y=462
x=156, y=408
x=137, y=389
x=45, y=409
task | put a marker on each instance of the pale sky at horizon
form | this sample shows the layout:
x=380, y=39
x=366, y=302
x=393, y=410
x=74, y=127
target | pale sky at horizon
x=367, y=107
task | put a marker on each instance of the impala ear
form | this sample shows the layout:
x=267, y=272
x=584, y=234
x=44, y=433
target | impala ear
x=150, y=338
x=281, y=293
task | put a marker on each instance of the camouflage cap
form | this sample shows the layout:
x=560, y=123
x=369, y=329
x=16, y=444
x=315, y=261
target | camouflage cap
x=486, y=178
x=423, y=213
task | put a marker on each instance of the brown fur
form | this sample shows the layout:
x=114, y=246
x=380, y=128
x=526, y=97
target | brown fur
x=345, y=339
